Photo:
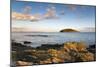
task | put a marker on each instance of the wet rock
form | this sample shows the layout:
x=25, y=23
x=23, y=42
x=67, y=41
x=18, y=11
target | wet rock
x=19, y=46
x=92, y=48
x=47, y=54
x=57, y=60
x=49, y=46
x=27, y=42
x=87, y=57
x=23, y=63
x=47, y=61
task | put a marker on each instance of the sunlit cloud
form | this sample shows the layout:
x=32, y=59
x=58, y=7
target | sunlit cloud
x=20, y=16
x=49, y=14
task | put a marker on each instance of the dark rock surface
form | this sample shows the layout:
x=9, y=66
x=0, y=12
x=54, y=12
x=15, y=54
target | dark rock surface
x=27, y=42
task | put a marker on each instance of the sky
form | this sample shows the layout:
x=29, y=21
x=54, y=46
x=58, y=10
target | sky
x=51, y=17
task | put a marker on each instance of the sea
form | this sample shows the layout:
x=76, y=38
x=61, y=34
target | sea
x=39, y=38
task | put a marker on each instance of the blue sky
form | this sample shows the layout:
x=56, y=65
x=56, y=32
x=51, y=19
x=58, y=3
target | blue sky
x=63, y=16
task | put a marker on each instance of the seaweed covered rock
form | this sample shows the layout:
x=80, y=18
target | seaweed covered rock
x=76, y=46
x=67, y=52
x=88, y=57
x=78, y=51
x=59, y=56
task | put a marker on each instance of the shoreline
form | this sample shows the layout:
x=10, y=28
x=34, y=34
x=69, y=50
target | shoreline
x=50, y=53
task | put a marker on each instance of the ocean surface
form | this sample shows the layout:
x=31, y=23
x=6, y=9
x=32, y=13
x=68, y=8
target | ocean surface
x=38, y=38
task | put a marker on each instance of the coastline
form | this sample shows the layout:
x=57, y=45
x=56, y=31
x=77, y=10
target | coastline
x=51, y=53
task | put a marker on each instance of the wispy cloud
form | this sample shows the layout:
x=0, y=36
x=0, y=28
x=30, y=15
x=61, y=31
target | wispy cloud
x=49, y=14
x=21, y=16
x=27, y=9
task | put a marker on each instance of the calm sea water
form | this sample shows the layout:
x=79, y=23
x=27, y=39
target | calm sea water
x=53, y=38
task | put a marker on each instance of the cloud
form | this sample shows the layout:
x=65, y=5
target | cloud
x=26, y=9
x=21, y=16
x=70, y=7
x=51, y=13
x=36, y=17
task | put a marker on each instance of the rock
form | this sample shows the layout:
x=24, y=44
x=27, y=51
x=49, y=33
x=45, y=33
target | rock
x=19, y=46
x=62, y=54
x=76, y=46
x=47, y=61
x=53, y=52
x=92, y=48
x=78, y=52
x=59, y=55
x=27, y=42
x=87, y=57
x=23, y=63
x=67, y=52
x=49, y=46
x=57, y=60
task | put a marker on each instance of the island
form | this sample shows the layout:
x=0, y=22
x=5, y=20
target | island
x=69, y=30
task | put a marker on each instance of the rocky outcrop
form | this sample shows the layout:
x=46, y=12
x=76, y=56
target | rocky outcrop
x=78, y=52
x=19, y=47
x=67, y=52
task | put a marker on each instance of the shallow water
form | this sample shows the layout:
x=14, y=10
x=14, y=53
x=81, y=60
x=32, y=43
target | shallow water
x=38, y=38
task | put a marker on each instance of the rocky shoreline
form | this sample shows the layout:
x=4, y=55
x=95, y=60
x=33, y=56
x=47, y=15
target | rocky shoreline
x=68, y=52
